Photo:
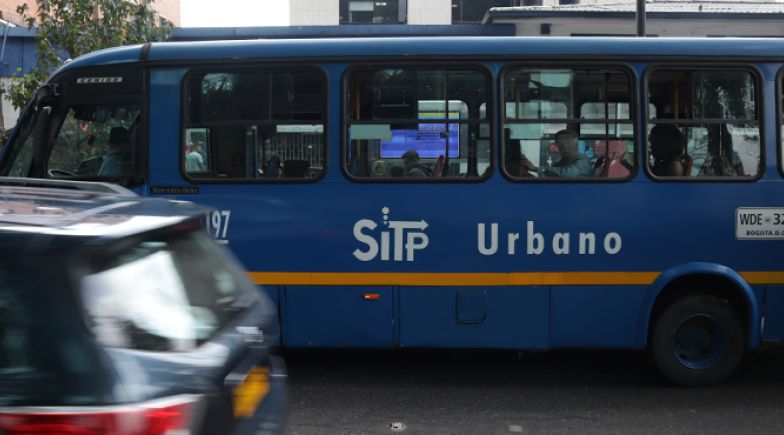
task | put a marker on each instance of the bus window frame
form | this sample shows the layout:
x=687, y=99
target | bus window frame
x=751, y=68
x=544, y=64
x=478, y=65
x=779, y=89
x=257, y=66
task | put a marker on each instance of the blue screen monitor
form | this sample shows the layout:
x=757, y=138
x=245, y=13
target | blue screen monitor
x=429, y=140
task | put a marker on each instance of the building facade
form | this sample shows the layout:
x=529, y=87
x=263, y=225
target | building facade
x=698, y=18
x=168, y=10
x=341, y=12
x=664, y=18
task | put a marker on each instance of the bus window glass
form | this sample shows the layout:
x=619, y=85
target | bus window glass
x=568, y=123
x=417, y=122
x=706, y=124
x=97, y=140
x=24, y=153
x=261, y=125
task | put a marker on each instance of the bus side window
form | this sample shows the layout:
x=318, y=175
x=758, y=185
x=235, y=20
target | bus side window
x=568, y=123
x=706, y=123
x=255, y=124
x=423, y=124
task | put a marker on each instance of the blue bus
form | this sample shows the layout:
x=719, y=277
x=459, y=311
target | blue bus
x=483, y=192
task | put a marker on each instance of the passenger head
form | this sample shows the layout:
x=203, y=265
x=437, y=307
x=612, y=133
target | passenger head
x=410, y=159
x=566, y=141
x=666, y=142
x=118, y=139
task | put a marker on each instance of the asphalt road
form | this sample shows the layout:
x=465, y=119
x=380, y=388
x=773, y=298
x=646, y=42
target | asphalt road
x=503, y=392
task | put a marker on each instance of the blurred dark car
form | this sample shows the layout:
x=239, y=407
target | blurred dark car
x=120, y=315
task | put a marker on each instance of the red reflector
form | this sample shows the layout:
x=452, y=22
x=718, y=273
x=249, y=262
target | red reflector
x=154, y=418
x=371, y=296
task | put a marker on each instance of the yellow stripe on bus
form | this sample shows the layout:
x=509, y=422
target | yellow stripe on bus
x=454, y=279
x=763, y=277
x=479, y=279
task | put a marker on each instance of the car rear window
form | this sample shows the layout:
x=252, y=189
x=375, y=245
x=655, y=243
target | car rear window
x=43, y=358
x=167, y=293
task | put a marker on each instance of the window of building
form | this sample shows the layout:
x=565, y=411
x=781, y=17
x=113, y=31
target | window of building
x=372, y=11
x=706, y=124
x=251, y=124
x=417, y=122
x=568, y=123
x=473, y=11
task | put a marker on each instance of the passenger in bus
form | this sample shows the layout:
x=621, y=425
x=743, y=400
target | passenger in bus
x=666, y=150
x=572, y=162
x=614, y=161
x=118, y=162
x=273, y=168
x=194, y=161
x=413, y=167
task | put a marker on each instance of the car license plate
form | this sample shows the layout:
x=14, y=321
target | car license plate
x=249, y=394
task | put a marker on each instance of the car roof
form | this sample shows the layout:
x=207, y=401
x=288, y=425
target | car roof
x=81, y=216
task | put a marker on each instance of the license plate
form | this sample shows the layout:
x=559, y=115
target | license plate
x=249, y=394
x=762, y=223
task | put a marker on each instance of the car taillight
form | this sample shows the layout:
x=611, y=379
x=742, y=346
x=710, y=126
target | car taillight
x=168, y=416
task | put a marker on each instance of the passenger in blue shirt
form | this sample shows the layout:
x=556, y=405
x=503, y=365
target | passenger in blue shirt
x=572, y=162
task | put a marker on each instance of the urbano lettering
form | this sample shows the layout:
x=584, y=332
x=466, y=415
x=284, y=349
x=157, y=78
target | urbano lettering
x=535, y=243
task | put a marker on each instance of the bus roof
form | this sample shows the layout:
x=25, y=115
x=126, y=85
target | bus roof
x=440, y=47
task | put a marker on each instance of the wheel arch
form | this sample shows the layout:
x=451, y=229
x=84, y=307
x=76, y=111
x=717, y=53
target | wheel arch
x=692, y=278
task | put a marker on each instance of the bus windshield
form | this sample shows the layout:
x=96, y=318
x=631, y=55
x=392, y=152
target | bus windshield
x=96, y=140
x=93, y=141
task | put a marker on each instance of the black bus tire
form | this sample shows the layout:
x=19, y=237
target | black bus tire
x=697, y=341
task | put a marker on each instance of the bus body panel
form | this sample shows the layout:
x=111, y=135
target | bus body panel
x=475, y=317
x=597, y=316
x=327, y=316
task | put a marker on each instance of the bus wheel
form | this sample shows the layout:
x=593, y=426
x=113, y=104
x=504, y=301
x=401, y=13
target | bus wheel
x=697, y=341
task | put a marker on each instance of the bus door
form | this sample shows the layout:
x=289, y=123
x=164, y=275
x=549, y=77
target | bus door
x=85, y=124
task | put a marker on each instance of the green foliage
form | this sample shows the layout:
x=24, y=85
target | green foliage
x=71, y=28
x=22, y=87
